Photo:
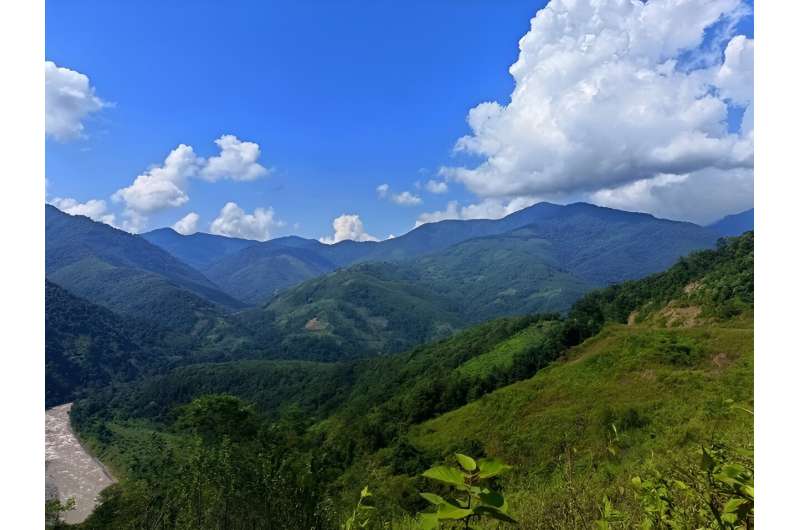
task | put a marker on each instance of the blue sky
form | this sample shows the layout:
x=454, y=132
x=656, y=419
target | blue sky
x=341, y=97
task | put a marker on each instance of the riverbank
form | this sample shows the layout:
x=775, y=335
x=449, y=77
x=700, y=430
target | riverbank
x=70, y=470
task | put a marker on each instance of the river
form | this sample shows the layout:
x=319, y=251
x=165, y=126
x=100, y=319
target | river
x=70, y=471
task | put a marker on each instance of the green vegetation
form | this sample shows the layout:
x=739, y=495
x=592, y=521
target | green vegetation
x=542, y=261
x=471, y=499
x=602, y=413
x=87, y=346
x=391, y=296
x=125, y=273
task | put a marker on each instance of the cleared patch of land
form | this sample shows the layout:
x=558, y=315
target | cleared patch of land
x=70, y=471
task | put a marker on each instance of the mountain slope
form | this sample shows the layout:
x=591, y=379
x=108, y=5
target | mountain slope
x=197, y=250
x=88, y=346
x=368, y=309
x=258, y=272
x=128, y=274
x=541, y=267
x=734, y=225
x=255, y=273
x=645, y=373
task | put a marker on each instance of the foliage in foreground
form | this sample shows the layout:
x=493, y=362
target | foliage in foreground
x=471, y=499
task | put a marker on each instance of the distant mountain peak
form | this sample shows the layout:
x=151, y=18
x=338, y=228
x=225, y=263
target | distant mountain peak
x=734, y=224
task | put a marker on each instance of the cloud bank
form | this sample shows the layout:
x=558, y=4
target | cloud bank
x=619, y=99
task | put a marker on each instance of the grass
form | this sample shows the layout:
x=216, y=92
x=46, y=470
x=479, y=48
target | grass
x=502, y=355
x=663, y=389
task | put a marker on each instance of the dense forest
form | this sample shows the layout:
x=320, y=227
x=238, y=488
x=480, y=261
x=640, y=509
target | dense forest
x=631, y=409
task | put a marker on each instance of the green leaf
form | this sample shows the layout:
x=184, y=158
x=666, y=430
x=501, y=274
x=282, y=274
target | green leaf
x=494, y=513
x=447, y=475
x=448, y=511
x=733, y=505
x=748, y=491
x=466, y=462
x=428, y=521
x=432, y=498
x=636, y=482
x=365, y=492
x=495, y=500
x=491, y=467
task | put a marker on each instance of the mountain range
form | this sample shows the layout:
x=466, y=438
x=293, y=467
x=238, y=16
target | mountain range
x=299, y=298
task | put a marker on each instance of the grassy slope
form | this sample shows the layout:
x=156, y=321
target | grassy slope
x=663, y=388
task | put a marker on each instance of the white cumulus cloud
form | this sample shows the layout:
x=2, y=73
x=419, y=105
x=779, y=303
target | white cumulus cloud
x=237, y=160
x=187, y=225
x=94, y=209
x=161, y=186
x=348, y=226
x=436, y=186
x=609, y=93
x=404, y=198
x=69, y=99
x=233, y=221
x=166, y=185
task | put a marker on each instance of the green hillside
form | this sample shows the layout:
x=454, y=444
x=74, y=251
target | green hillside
x=632, y=382
x=87, y=346
x=662, y=389
x=258, y=272
x=385, y=307
x=127, y=274
x=197, y=250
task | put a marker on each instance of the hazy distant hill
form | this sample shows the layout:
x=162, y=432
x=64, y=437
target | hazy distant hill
x=736, y=224
x=197, y=250
x=128, y=274
x=382, y=307
x=256, y=272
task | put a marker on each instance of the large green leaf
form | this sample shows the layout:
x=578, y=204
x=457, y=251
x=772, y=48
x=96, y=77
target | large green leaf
x=432, y=498
x=494, y=513
x=495, y=500
x=491, y=467
x=447, y=475
x=448, y=511
x=466, y=462
x=428, y=521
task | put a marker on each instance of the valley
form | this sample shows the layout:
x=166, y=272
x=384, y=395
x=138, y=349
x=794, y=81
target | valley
x=70, y=471
x=581, y=345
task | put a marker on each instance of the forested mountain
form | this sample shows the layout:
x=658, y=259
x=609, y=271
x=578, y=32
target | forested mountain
x=394, y=294
x=384, y=307
x=87, y=346
x=258, y=272
x=736, y=224
x=197, y=250
x=632, y=382
x=128, y=274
